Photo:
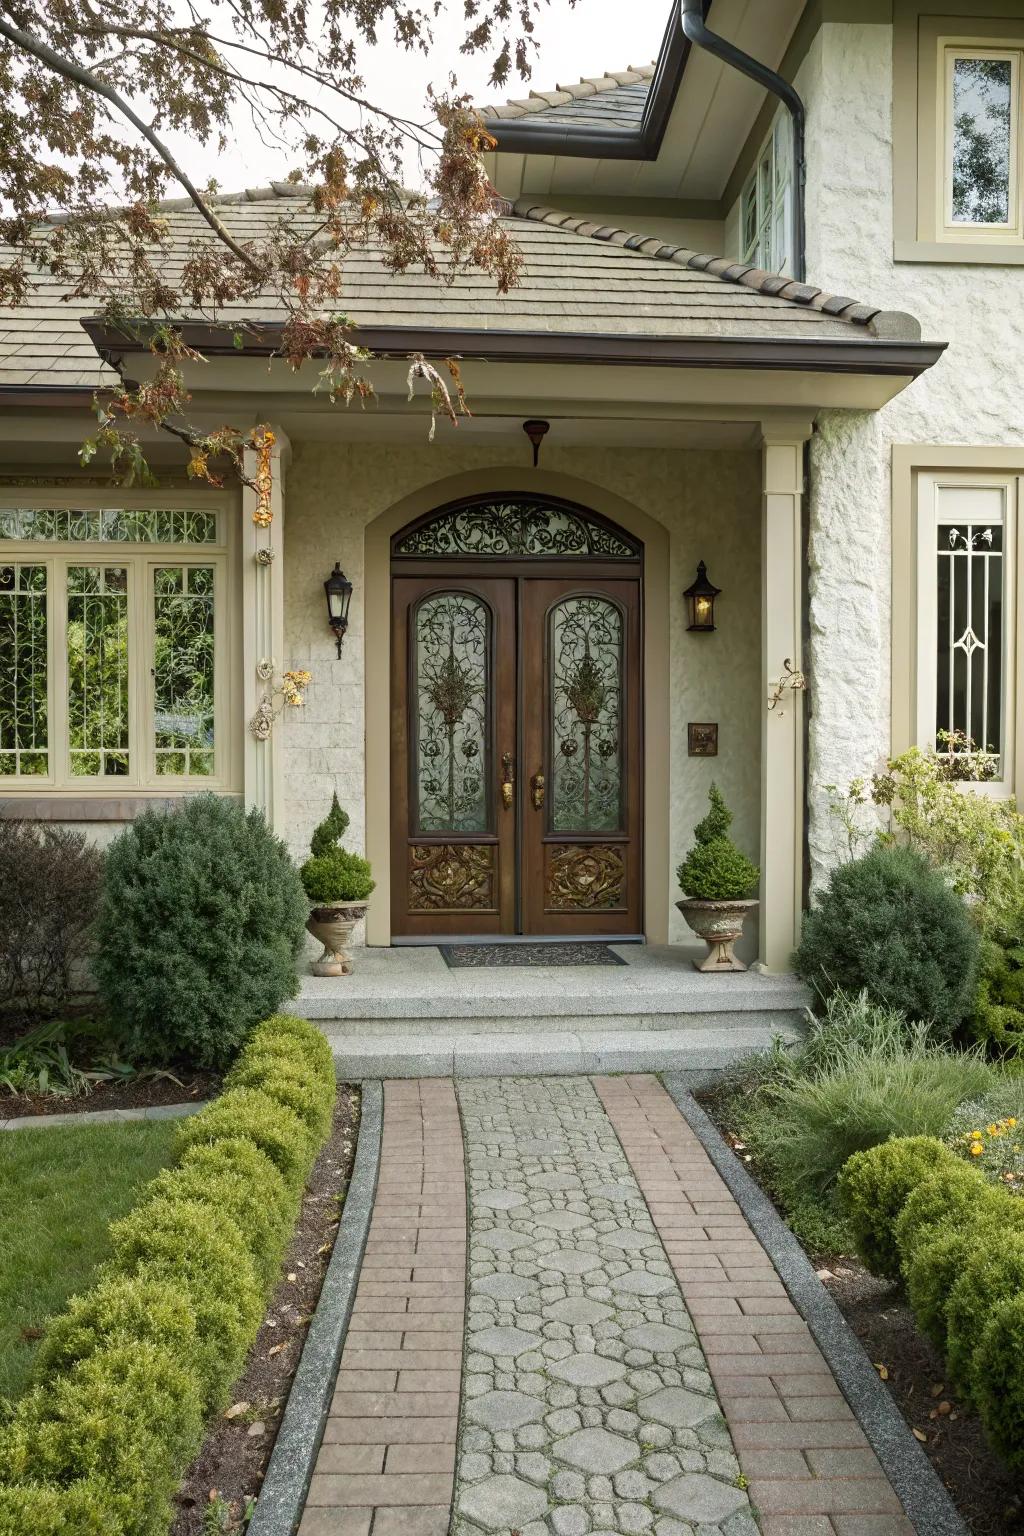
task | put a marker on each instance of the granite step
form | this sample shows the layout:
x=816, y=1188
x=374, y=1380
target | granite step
x=458, y=1053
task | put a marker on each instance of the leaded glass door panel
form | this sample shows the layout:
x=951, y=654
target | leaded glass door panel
x=581, y=763
x=453, y=756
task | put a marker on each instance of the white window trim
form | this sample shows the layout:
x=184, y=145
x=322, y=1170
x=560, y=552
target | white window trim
x=929, y=487
x=781, y=199
x=141, y=559
x=949, y=50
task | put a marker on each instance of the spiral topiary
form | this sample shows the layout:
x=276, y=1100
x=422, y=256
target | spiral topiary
x=715, y=869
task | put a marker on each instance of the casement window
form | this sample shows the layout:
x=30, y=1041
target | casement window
x=966, y=615
x=115, y=651
x=766, y=204
x=980, y=106
x=957, y=142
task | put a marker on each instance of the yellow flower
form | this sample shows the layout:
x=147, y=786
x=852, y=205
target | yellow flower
x=993, y=1130
x=975, y=1135
x=1011, y=1120
x=976, y=1149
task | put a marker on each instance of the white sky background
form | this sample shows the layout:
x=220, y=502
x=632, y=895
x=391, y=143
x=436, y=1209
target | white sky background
x=592, y=37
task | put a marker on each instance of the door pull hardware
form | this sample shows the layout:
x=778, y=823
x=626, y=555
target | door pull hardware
x=537, y=790
x=508, y=780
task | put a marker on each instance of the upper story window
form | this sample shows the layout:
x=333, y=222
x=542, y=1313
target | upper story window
x=766, y=204
x=958, y=92
x=114, y=648
x=981, y=110
x=966, y=539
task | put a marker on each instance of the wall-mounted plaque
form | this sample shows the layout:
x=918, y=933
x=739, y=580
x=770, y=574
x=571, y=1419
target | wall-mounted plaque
x=702, y=738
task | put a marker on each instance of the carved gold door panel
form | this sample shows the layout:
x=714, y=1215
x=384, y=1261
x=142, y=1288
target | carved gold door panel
x=453, y=756
x=581, y=843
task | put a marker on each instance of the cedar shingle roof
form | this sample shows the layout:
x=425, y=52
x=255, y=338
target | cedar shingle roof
x=578, y=277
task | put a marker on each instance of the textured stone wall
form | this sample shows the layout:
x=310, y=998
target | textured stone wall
x=973, y=396
x=711, y=504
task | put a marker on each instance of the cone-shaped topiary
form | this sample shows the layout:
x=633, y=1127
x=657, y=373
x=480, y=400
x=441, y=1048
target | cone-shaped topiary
x=331, y=830
x=715, y=869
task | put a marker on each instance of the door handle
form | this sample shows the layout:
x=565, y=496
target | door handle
x=508, y=779
x=537, y=791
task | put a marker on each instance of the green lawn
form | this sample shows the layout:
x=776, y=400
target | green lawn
x=59, y=1189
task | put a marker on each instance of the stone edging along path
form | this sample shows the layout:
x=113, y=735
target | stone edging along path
x=616, y=1301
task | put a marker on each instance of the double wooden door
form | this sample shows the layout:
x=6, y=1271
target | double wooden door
x=516, y=755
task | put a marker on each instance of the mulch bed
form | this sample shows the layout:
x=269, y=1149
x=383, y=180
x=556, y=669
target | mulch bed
x=148, y=1093
x=231, y=1465
x=979, y=1484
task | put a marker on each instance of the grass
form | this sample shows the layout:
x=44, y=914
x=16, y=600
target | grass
x=59, y=1190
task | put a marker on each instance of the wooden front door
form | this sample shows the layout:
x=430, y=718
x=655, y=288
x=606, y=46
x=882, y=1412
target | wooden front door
x=517, y=777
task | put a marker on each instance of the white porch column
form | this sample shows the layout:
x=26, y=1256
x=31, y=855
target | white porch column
x=782, y=727
x=263, y=630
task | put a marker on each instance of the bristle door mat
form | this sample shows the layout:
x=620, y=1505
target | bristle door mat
x=484, y=956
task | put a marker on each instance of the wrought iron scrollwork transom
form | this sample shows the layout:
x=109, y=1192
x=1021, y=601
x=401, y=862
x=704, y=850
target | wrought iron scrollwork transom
x=517, y=527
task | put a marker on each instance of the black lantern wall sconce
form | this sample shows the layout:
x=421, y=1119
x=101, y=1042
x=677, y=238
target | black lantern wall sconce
x=339, y=594
x=700, y=598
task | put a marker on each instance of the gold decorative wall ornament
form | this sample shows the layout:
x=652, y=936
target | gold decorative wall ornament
x=263, y=441
x=585, y=877
x=289, y=693
x=447, y=877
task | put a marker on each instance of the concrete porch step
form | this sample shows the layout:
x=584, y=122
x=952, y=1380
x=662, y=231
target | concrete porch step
x=657, y=988
x=464, y=1054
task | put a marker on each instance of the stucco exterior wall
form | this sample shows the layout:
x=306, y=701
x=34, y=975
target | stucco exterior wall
x=709, y=502
x=973, y=397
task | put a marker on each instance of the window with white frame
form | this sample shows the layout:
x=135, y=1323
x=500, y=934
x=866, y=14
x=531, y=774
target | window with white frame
x=113, y=647
x=966, y=627
x=979, y=140
x=766, y=204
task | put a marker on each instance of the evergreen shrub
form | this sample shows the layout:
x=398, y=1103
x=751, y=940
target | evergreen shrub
x=999, y=1381
x=124, y=1378
x=953, y=1193
x=889, y=924
x=201, y=922
x=715, y=869
x=992, y=1274
x=875, y=1185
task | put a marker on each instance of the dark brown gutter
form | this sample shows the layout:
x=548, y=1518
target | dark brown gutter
x=545, y=135
x=800, y=354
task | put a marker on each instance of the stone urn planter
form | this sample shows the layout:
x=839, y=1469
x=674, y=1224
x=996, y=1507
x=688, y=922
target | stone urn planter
x=331, y=924
x=719, y=924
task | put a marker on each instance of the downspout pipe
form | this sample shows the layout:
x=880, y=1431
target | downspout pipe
x=691, y=15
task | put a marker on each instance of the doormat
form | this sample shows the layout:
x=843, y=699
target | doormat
x=486, y=955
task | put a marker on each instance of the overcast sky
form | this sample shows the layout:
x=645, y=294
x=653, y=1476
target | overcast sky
x=595, y=36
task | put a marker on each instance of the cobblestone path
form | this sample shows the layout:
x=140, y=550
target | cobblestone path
x=587, y=1403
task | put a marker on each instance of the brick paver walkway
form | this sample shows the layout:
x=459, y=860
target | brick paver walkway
x=388, y=1457
x=811, y=1470
x=618, y=1305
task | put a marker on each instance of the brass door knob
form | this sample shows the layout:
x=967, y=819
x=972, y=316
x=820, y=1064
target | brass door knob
x=508, y=780
x=537, y=790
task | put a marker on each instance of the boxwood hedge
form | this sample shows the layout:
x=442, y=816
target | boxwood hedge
x=126, y=1378
x=957, y=1241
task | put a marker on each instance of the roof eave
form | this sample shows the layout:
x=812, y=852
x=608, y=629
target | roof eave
x=856, y=355
x=532, y=136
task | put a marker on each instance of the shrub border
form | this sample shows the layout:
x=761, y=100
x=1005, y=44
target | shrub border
x=924, y=1498
x=283, y=1493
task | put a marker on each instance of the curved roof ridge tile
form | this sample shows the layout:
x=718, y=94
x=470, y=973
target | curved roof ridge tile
x=885, y=324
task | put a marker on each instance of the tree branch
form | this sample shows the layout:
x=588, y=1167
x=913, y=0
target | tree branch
x=90, y=82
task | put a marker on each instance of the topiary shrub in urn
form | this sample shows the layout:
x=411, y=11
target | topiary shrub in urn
x=716, y=880
x=338, y=884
